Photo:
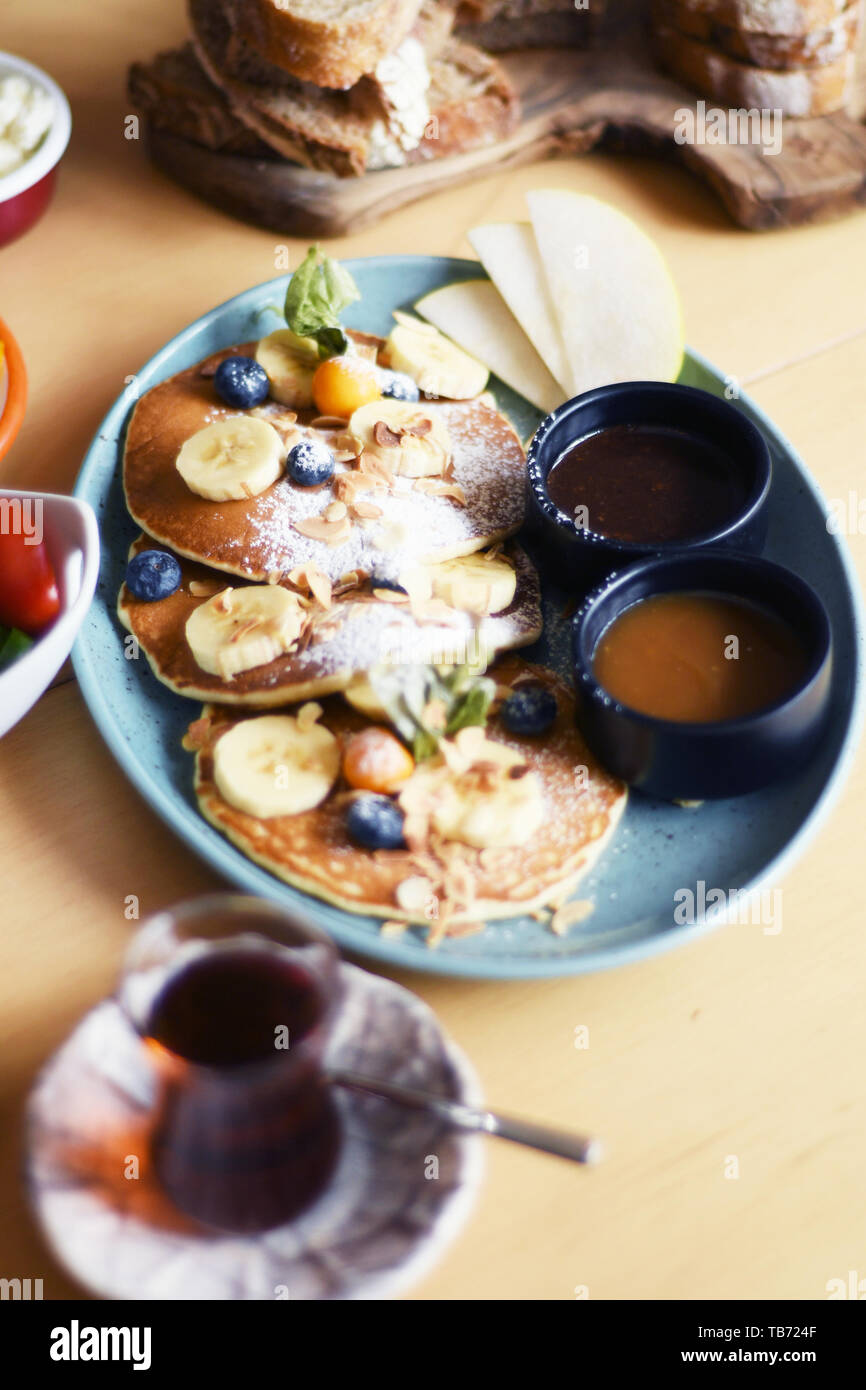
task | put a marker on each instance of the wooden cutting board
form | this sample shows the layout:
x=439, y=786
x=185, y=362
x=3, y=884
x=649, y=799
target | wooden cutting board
x=573, y=101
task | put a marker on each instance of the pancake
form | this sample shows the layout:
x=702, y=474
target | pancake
x=256, y=538
x=345, y=639
x=312, y=851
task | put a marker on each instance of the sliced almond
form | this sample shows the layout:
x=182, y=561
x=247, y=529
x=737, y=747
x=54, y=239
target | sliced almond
x=335, y=511
x=329, y=422
x=308, y=714
x=197, y=734
x=435, y=714
x=393, y=928
x=348, y=485
x=353, y=579
x=369, y=464
x=320, y=586
x=384, y=436
x=569, y=915
x=368, y=510
x=441, y=487
x=203, y=588
x=317, y=528
x=390, y=596
x=435, y=610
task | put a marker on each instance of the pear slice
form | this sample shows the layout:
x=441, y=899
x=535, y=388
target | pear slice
x=509, y=253
x=474, y=314
x=618, y=308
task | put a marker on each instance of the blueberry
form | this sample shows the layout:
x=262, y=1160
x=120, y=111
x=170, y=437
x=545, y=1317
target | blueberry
x=153, y=574
x=400, y=387
x=530, y=710
x=241, y=382
x=376, y=823
x=310, y=463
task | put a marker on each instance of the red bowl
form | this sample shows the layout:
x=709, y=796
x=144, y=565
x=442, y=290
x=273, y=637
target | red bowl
x=18, y=214
x=26, y=192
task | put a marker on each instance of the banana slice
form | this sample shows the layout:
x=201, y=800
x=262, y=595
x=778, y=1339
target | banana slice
x=475, y=584
x=438, y=366
x=239, y=629
x=290, y=363
x=363, y=697
x=411, y=441
x=231, y=459
x=474, y=795
x=276, y=765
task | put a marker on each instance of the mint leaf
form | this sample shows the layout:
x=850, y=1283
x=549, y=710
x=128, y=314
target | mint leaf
x=341, y=288
x=472, y=706
x=405, y=692
x=318, y=292
x=332, y=341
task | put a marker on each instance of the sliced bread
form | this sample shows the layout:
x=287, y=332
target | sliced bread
x=330, y=43
x=472, y=103
x=815, y=91
x=788, y=18
x=175, y=94
x=302, y=122
x=380, y=123
x=825, y=44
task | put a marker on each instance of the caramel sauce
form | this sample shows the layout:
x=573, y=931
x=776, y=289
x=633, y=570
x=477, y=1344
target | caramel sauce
x=698, y=658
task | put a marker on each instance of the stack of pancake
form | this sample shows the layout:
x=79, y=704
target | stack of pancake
x=346, y=572
x=402, y=558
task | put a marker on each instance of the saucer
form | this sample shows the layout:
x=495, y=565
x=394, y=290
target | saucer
x=402, y=1188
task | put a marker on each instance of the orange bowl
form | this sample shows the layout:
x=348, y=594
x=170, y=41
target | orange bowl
x=13, y=376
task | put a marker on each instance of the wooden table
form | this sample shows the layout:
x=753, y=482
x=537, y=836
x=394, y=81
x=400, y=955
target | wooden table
x=747, y=1044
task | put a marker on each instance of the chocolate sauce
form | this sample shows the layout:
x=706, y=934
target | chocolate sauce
x=646, y=484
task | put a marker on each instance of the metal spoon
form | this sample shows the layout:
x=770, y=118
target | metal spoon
x=552, y=1141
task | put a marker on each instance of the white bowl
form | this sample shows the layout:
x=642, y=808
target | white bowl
x=25, y=192
x=72, y=542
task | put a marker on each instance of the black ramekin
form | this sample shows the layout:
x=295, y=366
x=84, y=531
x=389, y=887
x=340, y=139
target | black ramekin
x=581, y=558
x=691, y=761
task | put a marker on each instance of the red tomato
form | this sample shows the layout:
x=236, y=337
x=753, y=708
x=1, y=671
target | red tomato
x=28, y=585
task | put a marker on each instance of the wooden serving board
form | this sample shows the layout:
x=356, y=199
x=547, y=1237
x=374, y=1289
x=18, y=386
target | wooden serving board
x=612, y=97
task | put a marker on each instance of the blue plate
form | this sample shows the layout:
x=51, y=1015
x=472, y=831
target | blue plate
x=659, y=850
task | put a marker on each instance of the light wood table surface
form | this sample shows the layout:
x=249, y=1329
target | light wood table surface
x=745, y=1044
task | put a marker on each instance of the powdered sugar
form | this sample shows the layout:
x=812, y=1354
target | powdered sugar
x=488, y=464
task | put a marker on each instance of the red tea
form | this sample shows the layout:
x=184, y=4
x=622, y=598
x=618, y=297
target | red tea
x=233, y=1007
x=247, y=1134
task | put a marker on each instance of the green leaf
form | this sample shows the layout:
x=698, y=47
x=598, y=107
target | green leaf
x=12, y=645
x=341, y=288
x=318, y=292
x=472, y=706
x=405, y=692
x=332, y=342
